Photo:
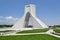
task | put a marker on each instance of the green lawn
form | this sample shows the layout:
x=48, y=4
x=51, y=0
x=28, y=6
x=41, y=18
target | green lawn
x=30, y=37
x=34, y=31
x=57, y=30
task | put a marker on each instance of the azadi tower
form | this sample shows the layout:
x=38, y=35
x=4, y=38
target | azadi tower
x=30, y=12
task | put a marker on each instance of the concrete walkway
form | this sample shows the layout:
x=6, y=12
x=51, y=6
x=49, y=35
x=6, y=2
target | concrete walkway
x=27, y=33
x=54, y=35
x=23, y=34
x=48, y=32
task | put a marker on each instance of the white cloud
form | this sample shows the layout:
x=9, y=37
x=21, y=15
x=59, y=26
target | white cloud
x=11, y=18
x=8, y=19
x=1, y=16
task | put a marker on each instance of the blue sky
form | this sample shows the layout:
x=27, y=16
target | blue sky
x=46, y=10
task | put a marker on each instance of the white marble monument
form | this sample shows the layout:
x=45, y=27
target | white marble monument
x=30, y=12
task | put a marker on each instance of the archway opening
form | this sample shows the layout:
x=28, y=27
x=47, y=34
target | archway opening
x=28, y=21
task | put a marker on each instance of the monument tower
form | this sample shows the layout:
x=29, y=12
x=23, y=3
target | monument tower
x=30, y=12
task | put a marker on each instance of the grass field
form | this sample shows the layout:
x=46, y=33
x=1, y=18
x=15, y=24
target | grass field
x=57, y=30
x=34, y=31
x=30, y=37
